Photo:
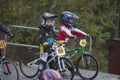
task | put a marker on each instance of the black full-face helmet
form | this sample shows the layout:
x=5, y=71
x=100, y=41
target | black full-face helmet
x=48, y=21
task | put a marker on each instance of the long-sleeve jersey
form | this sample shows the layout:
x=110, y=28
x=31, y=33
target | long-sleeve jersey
x=46, y=36
x=67, y=32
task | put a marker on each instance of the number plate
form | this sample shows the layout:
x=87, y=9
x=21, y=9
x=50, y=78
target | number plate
x=2, y=44
x=83, y=42
x=60, y=51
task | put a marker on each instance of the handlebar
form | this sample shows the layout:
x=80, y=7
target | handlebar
x=78, y=39
x=90, y=45
x=56, y=45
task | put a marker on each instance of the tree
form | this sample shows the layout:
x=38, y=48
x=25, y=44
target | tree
x=96, y=17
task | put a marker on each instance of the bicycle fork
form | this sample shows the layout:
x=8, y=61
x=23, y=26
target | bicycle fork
x=5, y=67
x=85, y=62
x=61, y=64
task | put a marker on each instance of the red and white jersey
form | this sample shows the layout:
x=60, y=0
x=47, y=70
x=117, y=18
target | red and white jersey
x=66, y=32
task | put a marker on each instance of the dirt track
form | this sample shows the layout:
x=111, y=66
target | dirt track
x=101, y=76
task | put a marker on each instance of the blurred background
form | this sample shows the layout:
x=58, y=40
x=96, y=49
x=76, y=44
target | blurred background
x=99, y=18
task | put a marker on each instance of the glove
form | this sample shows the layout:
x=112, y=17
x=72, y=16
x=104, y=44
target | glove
x=45, y=44
x=10, y=35
x=75, y=38
x=59, y=41
x=87, y=36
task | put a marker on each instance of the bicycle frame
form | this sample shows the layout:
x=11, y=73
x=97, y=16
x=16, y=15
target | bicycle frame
x=54, y=57
x=56, y=60
x=77, y=52
x=85, y=61
x=80, y=50
x=3, y=53
x=5, y=61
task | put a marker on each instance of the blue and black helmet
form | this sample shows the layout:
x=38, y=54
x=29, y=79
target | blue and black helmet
x=65, y=16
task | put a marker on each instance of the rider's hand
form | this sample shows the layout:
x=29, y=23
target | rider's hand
x=87, y=36
x=74, y=38
x=10, y=35
x=45, y=44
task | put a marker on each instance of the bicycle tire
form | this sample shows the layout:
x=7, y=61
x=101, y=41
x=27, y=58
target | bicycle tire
x=9, y=70
x=28, y=71
x=68, y=65
x=86, y=71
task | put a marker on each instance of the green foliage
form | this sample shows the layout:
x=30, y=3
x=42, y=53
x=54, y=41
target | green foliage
x=96, y=17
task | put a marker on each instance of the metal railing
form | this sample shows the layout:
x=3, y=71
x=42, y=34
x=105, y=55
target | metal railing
x=25, y=45
x=22, y=45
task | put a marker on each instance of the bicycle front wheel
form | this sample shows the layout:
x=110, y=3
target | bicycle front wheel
x=9, y=70
x=28, y=66
x=87, y=66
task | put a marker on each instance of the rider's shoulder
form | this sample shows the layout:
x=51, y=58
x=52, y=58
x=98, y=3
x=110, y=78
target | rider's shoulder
x=63, y=25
